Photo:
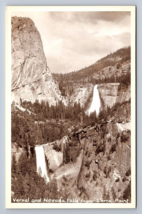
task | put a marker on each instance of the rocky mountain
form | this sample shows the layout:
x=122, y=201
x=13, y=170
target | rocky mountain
x=86, y=156
x=102, y=170
x=31, y=77
x=114, y=64
x=111, y=74
x=112, y=93
x=81, y=94
x=94, y=162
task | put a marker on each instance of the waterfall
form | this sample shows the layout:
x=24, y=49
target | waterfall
x=96, y=103
x=40, y=162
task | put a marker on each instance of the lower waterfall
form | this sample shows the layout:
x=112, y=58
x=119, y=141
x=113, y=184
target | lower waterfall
x=96, y=103
x=40, y=162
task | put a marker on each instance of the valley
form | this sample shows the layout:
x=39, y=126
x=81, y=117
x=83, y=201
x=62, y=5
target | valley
x=70, y=133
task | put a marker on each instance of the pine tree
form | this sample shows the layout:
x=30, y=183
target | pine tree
x=53, y=188
x=113, y=194
x=105, y=194
x=64, y=153
x=67, y=153
x=26, y=186
x=61, y=130
x=13, y=167
x=64, y=192
x=19, y=190
x=13, y=173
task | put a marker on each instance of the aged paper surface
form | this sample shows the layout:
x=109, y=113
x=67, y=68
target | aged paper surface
x=70, y=107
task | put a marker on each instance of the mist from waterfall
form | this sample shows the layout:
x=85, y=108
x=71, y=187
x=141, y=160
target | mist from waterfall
x=40, y=162
x=96, y=103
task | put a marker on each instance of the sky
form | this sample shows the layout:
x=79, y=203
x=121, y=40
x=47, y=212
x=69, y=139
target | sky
x=74, y=40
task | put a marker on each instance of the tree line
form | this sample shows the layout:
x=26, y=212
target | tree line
x=85, y=73
x=45, y=123
x=27, y=183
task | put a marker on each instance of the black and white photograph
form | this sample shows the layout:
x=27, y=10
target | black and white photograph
x=70, y=107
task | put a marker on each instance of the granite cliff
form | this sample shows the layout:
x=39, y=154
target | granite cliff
x=111, y=93
x=31, y=77
x=90, y=161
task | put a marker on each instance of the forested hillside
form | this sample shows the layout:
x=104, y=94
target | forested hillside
x=103, y=142
x=114, y=67
x=70, y=133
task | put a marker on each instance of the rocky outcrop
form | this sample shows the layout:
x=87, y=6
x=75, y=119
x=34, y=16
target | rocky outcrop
x=31, y=77
x=105, y=165
x=113, y=71
x=110, y=93
x=54, y=158
x=105, y=160
x=54, y=153
x=124, y=94
x=102, y=171
x=82, y=94
x=16, y=151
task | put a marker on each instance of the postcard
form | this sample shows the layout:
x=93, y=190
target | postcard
x=70, y=107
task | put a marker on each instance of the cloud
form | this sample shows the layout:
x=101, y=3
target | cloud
x=92, y=16
x=73, y=40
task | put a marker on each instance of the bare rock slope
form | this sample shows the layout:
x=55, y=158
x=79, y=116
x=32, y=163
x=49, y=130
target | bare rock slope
x=111, y=93
x=31, y=77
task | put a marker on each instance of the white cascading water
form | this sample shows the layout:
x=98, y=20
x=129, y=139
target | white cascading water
x=40, y=162
x=96, y=103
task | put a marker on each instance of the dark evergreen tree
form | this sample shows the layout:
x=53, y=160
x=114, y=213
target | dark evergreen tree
x=13, y=167
x=54, y=194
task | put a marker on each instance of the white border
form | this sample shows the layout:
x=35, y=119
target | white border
x=8, y=203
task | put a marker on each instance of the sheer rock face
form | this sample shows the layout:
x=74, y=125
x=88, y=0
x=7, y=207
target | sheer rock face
x=82, y=94
x=31, y=77
x=111, y=94
x=98, y=171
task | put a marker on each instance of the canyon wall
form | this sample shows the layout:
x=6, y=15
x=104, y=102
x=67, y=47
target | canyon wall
x=111, y=93
x=105, y=165
x=31, y=77
x=103, y=168
x=82, y=94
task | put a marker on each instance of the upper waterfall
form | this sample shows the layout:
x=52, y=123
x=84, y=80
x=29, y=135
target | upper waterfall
x=40, y=161
x=96, y=103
